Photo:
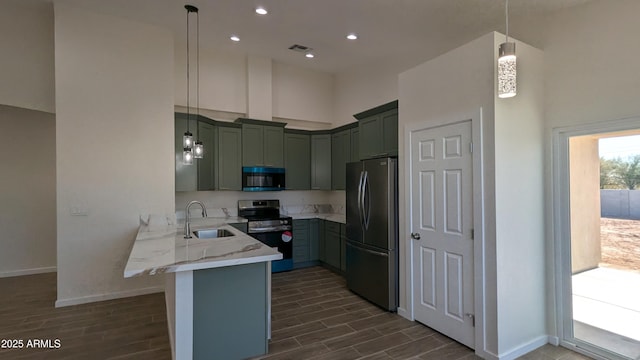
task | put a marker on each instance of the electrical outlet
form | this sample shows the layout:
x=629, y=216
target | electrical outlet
x=78, y=211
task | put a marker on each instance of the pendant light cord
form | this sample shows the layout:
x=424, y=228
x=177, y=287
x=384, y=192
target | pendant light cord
x=198, y=63
x=188, y=95
x=506, y=11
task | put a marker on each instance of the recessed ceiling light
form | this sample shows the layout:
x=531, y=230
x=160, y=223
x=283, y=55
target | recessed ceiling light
x=261, y=11
x=352, y=36
x=234, y=38
x=309, y=55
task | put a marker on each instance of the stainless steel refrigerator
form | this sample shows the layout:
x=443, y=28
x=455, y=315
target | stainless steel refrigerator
x=372, y=230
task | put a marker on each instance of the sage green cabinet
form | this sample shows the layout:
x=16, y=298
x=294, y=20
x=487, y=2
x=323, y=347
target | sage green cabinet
x=305, y=242
x=186, y=175
x=297, y=161
x=262, y=145
x=321, y=162
x=355, y=144
x=229, y=158
x=332, y=245
x=378, y=131
x=207, y=134
x=321, y=239
x=314, y=239
x=343, y=247
x=340, y=155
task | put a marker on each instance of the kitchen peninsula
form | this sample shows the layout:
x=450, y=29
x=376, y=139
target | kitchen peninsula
x=217, y=290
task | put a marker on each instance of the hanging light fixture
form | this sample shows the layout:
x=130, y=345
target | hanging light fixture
x=507, y=63
x=192, y=150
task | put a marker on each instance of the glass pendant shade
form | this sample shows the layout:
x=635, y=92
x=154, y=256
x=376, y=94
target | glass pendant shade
x=187, y=140
x=507, y=70
x=198, y=150
x=187, y=156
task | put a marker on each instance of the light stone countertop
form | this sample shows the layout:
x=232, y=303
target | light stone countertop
x=166, y=250
x=340, y=218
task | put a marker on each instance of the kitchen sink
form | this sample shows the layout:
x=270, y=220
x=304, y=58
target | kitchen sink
x=212, y=233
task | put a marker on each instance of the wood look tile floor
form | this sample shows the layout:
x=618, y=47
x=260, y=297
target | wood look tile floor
x=314, y=317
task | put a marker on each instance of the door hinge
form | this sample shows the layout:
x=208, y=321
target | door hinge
x=473, y=319
x=473, y=234
x=471, y=147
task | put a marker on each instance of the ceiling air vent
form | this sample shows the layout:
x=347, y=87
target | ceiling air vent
x=300, y=48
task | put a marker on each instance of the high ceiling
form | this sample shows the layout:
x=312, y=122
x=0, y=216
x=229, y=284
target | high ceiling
x=408, y=30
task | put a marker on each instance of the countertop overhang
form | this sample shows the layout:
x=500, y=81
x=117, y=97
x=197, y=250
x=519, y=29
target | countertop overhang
x=166, y=250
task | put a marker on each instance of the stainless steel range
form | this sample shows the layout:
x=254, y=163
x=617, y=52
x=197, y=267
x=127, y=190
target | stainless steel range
x=267, y=225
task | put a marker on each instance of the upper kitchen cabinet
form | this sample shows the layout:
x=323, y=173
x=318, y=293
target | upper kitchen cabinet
x=378, y=131
x=340, y=156
x=321, y=161
x=229, y=157
x=297, y=159
x=355, y=144
x=207, y=134
x=186, y=175
x=221, y=165
x=263, y=143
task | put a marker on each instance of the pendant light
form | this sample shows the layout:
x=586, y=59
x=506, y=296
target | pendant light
x=507, y=63
x=192, y=150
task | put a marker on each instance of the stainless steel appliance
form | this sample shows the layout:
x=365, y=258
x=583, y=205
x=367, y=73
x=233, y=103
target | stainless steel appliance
x=265, y=223
x=259, y=178
x=372, y=231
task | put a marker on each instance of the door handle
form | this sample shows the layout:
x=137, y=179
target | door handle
x=367, y=200
x=360, y=197
x=415, y=236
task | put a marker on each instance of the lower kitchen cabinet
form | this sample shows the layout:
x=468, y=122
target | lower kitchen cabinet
x=343, y=247
x=305, y=243
x=332, y=246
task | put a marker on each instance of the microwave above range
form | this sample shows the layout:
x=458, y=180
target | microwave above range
x=259, y=178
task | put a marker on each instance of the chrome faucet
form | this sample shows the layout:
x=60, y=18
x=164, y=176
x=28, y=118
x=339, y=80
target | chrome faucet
x=187, y=225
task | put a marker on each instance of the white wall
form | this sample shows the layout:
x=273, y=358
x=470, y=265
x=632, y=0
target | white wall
x=591, y=75
x=361, y=89
x=114, y=147
x=27, y=191
x=459, y=83
x=223, y=79
x=302, y=94
x=520, y=224
x=26, y=64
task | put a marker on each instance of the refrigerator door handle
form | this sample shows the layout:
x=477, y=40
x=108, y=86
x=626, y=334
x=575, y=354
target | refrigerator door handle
x=360, y=202
x=366, y=200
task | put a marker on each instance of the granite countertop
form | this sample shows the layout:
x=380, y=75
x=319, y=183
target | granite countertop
x=165, y=250
x=340, y=218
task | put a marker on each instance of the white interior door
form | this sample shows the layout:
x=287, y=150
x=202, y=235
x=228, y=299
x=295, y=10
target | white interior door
x=441, y=226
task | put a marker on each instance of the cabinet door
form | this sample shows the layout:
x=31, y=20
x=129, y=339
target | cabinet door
x=340, y=155
x=370, y=137
x=355, y=144
x=321, y=162
x=186, y=175
x=314, y=239
x=273, y=146
x=390, y=132
x=206, y=165
x=343, y=247
x=332, y=248
x=322, y=241
x=229, y=158
x=252, y=145
x=297, y=161
x=300, y=241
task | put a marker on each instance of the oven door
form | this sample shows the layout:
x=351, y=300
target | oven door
x=282, y=241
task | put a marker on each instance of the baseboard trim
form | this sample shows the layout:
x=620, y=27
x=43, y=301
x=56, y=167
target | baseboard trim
x=404, y=313
x=525, y=348
x=554, y=340
x=33, y=271
x=110, y=296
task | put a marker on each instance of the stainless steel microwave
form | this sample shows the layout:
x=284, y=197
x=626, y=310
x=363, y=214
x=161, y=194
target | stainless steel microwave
x=257, y=178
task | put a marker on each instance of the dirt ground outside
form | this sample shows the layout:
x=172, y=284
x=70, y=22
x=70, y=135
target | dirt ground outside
x=620, y=240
